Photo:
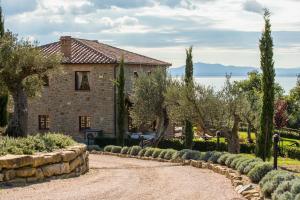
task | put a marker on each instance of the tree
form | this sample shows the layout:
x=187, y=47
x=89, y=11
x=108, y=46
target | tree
x=264, y=139
x=281, y=116
x=22, y=68
x=4, y=92
x=293, y=108
x=188, y=127
x=149, y=101
x=121, y=103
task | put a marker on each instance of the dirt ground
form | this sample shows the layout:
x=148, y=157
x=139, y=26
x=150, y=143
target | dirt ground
x=114, y=178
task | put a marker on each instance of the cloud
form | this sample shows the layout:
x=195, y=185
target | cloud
x=253, y=6
x=11, y=7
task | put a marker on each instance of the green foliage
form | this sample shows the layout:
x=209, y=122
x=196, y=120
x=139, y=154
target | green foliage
x=134, y=151
x=259, y=171
x=251, y=165
x=223, y=158
x=156, y=152
x=271, y=180
x=162, y=153
x=293, y=152
x=121, y=104
x=125, y=150
x=237, y=162
x=116, y=149
x=22, y=69
x=215, y=156
x=149, y=152
x=169, y=154
x=3, y=110
x=230, y=158
x=142, y=152
x=189, y=134
x=32, y=144
x=191, y=155
x=244, y=164
x=108, y=148
x=149, y=101
x=264, y=139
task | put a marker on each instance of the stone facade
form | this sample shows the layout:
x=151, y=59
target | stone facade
x=63, y=104
x=23, y=169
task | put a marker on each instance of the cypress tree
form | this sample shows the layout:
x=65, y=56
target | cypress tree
x=264, y=139
x=188, y=127
x=4, y=95
x=121, y=104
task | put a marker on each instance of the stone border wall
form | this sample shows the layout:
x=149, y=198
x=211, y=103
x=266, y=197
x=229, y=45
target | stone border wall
x=22, y=169
x=241, y=183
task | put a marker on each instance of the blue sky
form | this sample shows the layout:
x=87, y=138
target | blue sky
x=221, y=31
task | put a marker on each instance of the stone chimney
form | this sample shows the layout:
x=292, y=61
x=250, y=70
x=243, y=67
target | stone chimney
x=66, y=43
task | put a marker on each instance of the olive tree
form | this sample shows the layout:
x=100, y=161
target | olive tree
x=149, y=101
x=22, y=70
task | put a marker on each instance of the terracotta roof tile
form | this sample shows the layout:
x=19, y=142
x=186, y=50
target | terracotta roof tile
x=94, y=52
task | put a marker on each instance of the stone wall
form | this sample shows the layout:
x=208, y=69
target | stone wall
x=23, y=169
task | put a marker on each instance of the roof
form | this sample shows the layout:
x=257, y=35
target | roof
x=93, y=52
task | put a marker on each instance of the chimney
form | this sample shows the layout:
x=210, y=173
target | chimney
x=66, y=43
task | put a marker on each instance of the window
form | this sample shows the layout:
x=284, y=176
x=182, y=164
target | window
x=135, y=74
x=46, y=81
x=44, y=122
x=84, y=122
x=82, y=80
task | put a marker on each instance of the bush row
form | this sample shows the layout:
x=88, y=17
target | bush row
x=293, y=152
x=280, y=185
x=254, y=168
x=288, y=134
x=31, y=144
x=177, y=144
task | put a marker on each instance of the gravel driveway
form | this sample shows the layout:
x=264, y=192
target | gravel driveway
x=114, y=178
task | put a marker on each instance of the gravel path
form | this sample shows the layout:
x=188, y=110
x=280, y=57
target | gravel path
x=115, y=178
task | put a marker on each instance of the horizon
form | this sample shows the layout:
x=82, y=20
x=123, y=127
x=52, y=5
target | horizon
x=219, y=30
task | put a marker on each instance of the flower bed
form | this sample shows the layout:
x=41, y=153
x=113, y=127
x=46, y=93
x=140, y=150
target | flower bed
x=244, y=171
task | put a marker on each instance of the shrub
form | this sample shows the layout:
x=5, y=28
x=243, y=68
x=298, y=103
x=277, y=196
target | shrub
x=223, y=158
x=125, y=150
x=247, y=148
x=162, y=153
x=176, y=144
x=239, y=161
x=116, y=149
x=236, y=160
x=202, y=145
x=259, y=171
x=286, y=196
x=149, y=152
x=142, y=152
x=296, y=187
x=156, y=152
x=230, y=158
x=297, y=197
x=180, y=153
x=272, y=179
x=251, y=165
x=108, y=148
x=134, y=151
x=191, y=155
x=244, y=164
x=169, y=154
x=293, y=152
x=283, y=187
x=215, y=156
x=205, y=155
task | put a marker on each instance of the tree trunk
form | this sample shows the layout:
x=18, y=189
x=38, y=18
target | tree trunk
x=17, y=126
x=163, y=124
x=233, y=137
x=249, y=133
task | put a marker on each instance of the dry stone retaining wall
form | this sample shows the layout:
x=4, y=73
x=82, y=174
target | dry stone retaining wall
x=22, y=169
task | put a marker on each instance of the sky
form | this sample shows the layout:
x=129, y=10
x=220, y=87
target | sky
x=220, y=31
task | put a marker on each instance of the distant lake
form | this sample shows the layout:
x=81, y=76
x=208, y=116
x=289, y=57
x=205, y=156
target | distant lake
x=218, y=81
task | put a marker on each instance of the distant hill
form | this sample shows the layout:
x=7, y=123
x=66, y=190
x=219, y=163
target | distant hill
x=205, y=69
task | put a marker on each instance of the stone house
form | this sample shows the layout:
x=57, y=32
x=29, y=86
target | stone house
x=83, y=96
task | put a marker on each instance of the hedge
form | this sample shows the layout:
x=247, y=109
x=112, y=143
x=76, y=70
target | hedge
x=293, y=152
x=288, y=134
